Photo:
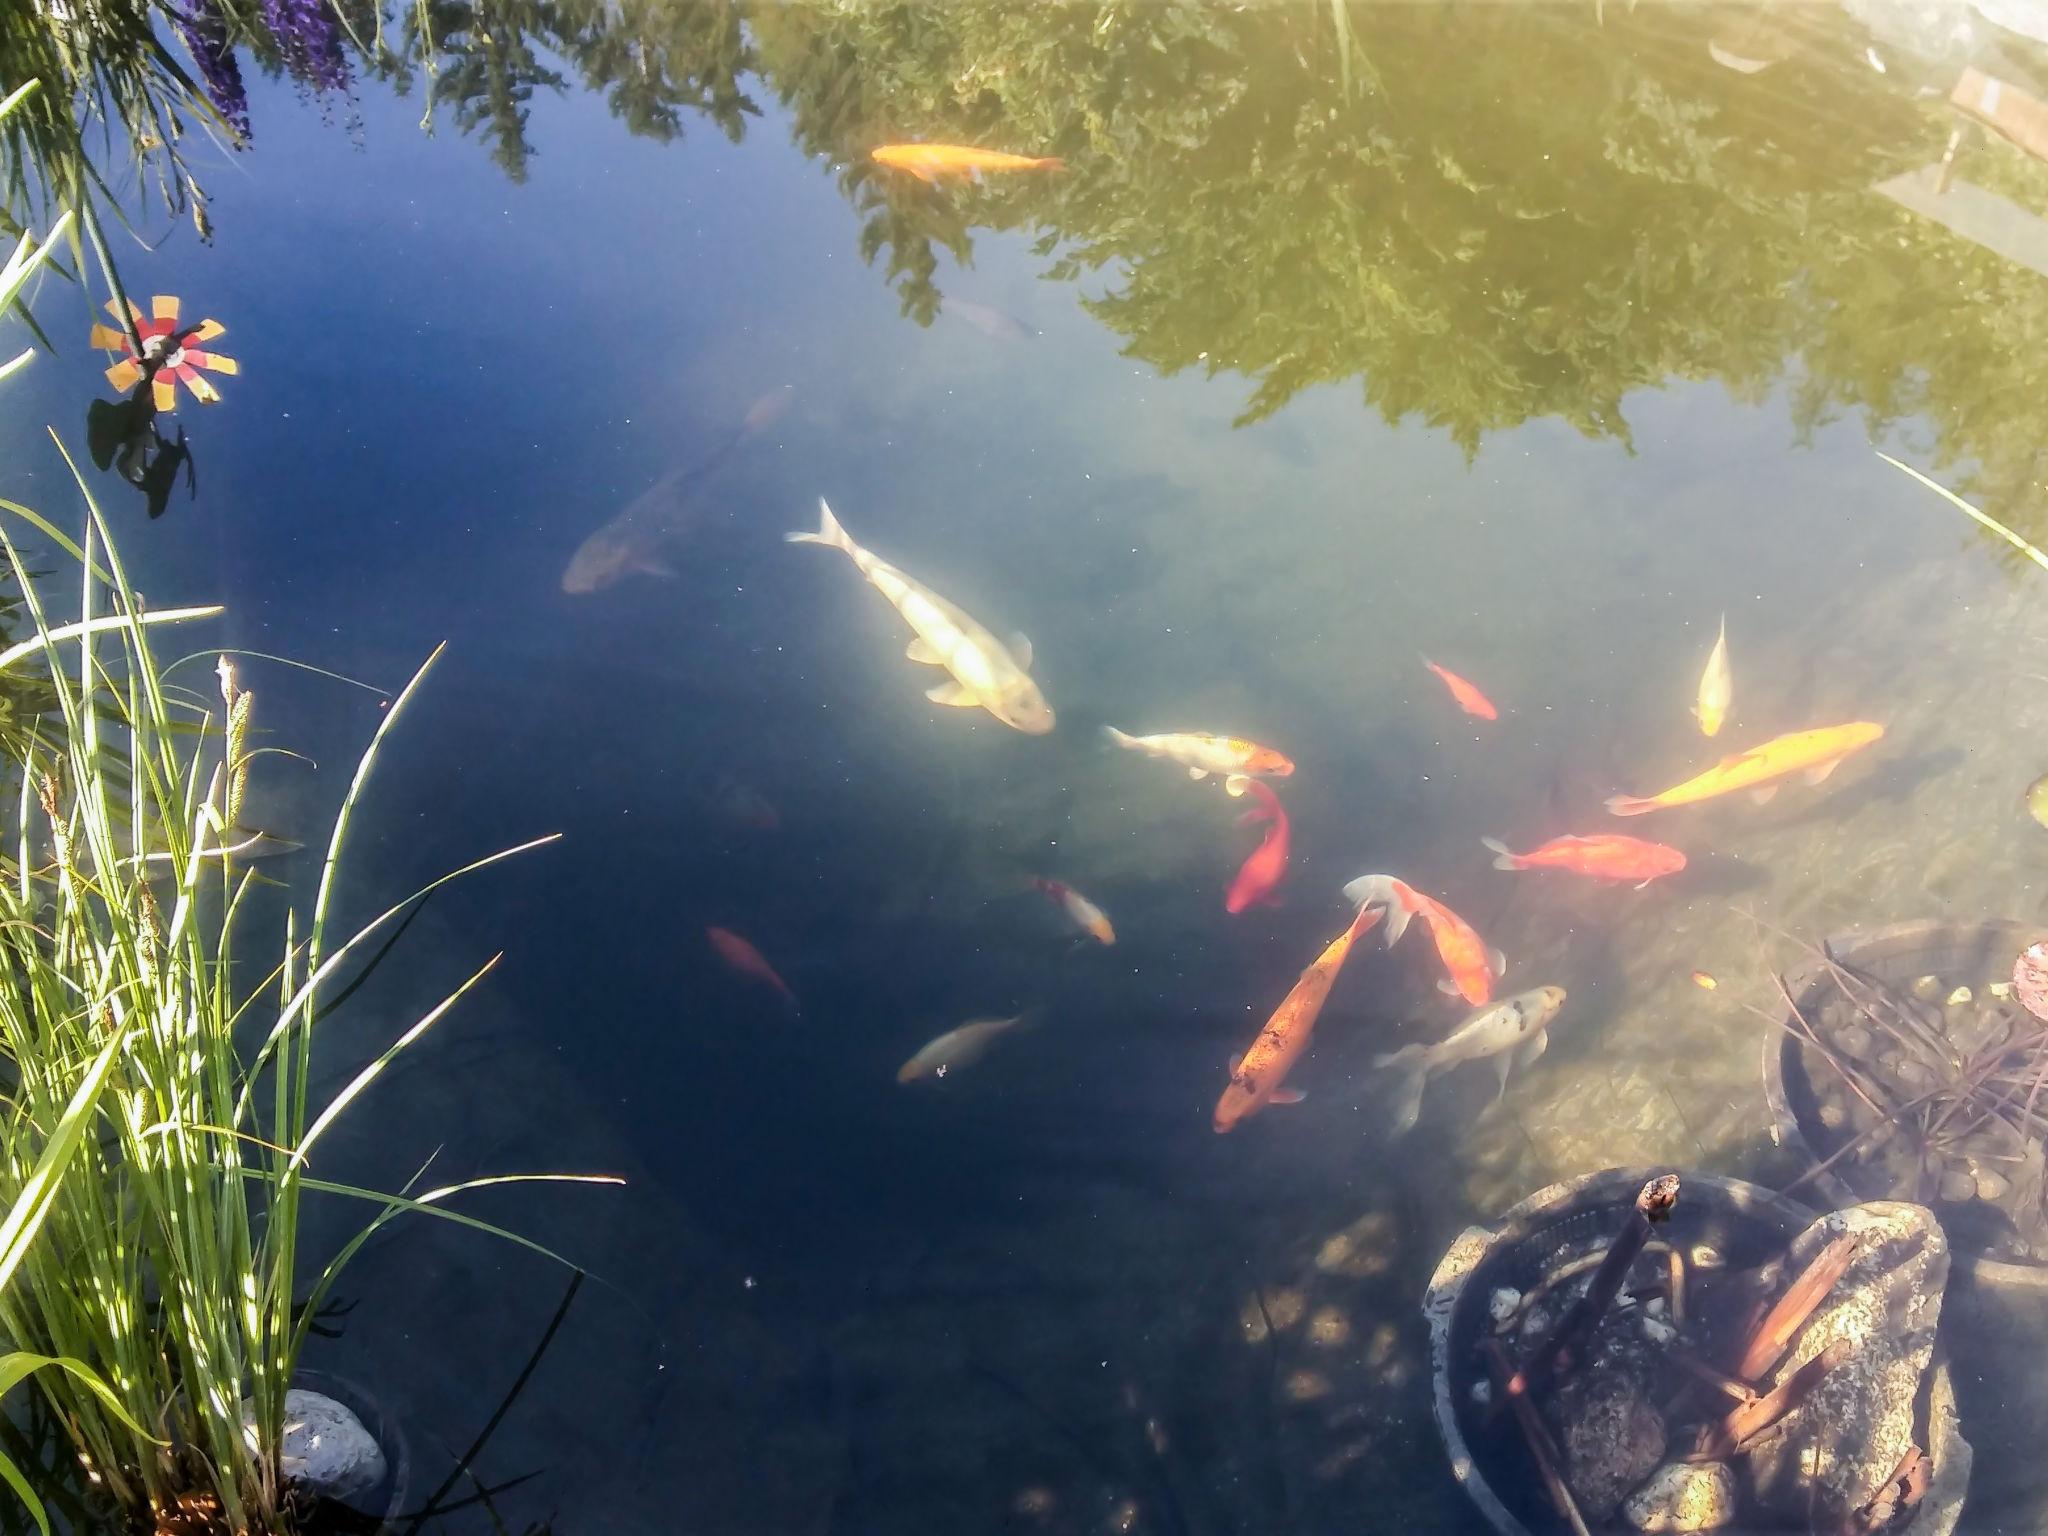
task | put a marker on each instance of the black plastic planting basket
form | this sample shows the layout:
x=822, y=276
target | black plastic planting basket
x=1744, y=1224
x=1896, y=956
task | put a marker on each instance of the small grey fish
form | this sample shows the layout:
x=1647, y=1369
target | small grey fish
x=1510, y=1031
x=992, y=323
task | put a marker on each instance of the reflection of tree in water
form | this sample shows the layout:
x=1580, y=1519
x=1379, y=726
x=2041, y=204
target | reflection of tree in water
x=1485, y=214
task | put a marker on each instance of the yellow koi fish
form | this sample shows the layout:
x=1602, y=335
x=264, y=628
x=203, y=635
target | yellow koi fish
x=928, y=162
x=1815, y=753
x=986, y=673
x=1717, y=686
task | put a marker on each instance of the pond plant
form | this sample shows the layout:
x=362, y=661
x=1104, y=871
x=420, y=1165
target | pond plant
x=160, y=1132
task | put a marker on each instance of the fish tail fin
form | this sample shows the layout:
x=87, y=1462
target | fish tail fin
x=1380, y=890
x=1050, y=163
x=1408, y=1092
x=1120, y=738
x=1630, y=805
x=1503, y=857
x=829, y=531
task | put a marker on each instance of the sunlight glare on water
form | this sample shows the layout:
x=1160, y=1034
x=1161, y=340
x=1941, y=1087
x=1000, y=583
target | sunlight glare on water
x=1527, y=341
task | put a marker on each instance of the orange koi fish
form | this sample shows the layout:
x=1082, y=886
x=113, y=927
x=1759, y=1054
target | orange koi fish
x=1469, y=698
x=1256, y=1076
x=745, y=960
x=1471, y=964
x=1082, y=912
x=1604, y=858
x=1816, y=753
x=1267, y=867
x=928, y=162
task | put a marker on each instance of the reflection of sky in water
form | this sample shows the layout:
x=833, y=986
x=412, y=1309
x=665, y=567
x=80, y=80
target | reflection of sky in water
x=448, y=381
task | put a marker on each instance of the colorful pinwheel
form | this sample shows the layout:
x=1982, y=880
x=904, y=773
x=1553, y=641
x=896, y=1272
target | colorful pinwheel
x=168, y=357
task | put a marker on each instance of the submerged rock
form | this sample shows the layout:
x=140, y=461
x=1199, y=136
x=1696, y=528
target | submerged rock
x=326, y=1450
x=1611, y=1433
x=1683, y=1496
x=1838, y=1449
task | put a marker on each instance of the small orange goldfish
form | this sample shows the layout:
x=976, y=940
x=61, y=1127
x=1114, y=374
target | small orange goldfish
x=1256, y=1076
x=1082, y=912
x=1816, y=752
x=745, y=960
x=928, y=162
x=1469, y=698
x=1471, y=964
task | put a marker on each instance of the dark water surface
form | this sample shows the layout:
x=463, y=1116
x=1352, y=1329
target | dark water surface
x=1532, y=339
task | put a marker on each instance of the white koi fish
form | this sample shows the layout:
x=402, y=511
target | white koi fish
x=1511, y=1031
x=986, y=672
x=956, y=1048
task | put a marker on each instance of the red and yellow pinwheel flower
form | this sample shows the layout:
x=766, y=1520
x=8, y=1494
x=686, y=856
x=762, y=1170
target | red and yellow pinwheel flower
x=168, y=357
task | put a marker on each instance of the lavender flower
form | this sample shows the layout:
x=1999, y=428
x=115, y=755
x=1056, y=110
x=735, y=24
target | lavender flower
x=309, y=42
x=205, y=33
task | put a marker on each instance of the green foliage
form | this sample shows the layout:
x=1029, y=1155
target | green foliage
x=168, y=1275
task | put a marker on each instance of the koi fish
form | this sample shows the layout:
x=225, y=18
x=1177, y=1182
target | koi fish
x=1202, y=754
x=1469, y=698
x=1607, y=857
x=1267, y=867
x=1512, y=1032
x=1817, y=753
x=1470, y=963
x=1717, y=686
x=1084, y=914
x=986, y=672
x=928, y=162
x=956, y=1048
x=643, y=538
x=743, y=959
x=1257, y=1076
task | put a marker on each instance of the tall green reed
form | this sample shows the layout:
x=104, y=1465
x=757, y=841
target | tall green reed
x=170, y=1269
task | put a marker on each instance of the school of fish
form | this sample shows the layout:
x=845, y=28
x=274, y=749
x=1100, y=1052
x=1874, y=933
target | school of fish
x=995, y=675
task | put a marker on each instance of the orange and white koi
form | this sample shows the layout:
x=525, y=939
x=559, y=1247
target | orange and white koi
x=1470, y=962
x=1235, y=758
x=1815, y=753
x=745, y=960
x=1082, y=912
x=1469, y=698
x=1608, y=857
x=1262, y=873
x=929, y=162
x=1257, y=1078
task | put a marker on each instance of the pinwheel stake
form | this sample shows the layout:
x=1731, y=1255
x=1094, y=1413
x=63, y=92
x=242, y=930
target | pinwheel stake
x=168, y=357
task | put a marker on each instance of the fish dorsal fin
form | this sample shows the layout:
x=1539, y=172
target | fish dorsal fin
x=955, y=694
x=1020, y=649
x=921, y=649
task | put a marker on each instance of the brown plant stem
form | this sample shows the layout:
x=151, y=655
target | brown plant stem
x=1774, y=1335
x=1535, y=1433
x=1747, y=1422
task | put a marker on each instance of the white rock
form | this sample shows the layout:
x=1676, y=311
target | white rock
x=326, y=1449
x=1657, y=1331
x=1683, y=1496
x=1503, y=1303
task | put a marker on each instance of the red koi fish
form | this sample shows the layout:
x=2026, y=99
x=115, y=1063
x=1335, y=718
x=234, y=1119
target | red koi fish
x=1471, y=964
x=743, y=959
x=1604, y=858
x=1267, y=867
x=1469, y=698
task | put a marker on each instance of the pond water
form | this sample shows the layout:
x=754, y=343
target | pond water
x=1530, y=340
